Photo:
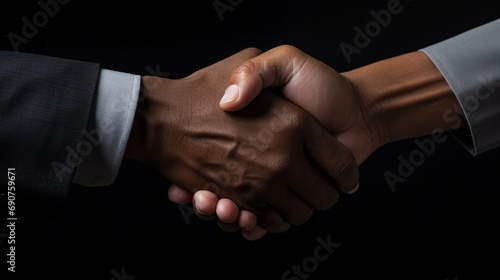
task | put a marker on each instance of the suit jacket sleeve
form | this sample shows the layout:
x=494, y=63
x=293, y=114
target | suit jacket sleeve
x=45, y=104
x=470, y=63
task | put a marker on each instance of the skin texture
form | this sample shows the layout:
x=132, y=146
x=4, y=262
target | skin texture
x=364, y=108
x=271, y=158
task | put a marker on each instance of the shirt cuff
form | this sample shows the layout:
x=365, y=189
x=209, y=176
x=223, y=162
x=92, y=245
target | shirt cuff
x=470, y=64
x=108, y=130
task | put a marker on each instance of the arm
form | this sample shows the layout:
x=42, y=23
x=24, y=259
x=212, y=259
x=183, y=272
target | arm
x=470, y=63
x=402, y=97
x=90, y=115
x=45, y=105
x=438, y=87
x=365, y=108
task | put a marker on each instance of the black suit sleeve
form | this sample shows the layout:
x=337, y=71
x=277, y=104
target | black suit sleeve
x=45, y=103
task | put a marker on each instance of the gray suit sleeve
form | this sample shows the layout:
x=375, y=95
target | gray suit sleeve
x=45, y=104
x=470, y=63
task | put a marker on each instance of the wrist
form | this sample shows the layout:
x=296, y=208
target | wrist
x=403, y=97
x=136, y=145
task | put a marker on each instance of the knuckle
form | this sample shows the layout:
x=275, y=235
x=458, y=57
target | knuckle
x=286, y=48
x=246, y=66
x=254, y=51
x=295, y=123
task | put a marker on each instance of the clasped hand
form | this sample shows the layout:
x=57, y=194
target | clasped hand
x=265, y=165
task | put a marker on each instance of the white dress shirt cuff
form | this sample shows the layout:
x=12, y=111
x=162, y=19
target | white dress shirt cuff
x=470, y=63
x=107, y=133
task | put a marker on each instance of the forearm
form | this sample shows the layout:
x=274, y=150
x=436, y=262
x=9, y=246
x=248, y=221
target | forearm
x=405, y=96
x=44, y=107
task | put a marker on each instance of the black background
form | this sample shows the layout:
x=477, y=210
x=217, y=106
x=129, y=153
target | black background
x=440, y=223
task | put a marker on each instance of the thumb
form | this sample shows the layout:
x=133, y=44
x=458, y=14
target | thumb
x=274, y=68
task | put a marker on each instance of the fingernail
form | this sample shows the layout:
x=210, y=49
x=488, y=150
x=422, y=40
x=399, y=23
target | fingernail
x=354, y=190
x=231, y=94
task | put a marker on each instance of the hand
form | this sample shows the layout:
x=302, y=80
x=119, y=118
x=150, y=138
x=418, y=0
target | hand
x=308, y=83
x=364, y=108
x=271, y=158
x=314, y=86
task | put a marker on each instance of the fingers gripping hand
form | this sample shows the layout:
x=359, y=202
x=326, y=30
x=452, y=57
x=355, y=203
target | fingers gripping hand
x=209, y=206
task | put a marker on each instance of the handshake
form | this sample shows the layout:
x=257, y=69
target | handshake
x=260, y=140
